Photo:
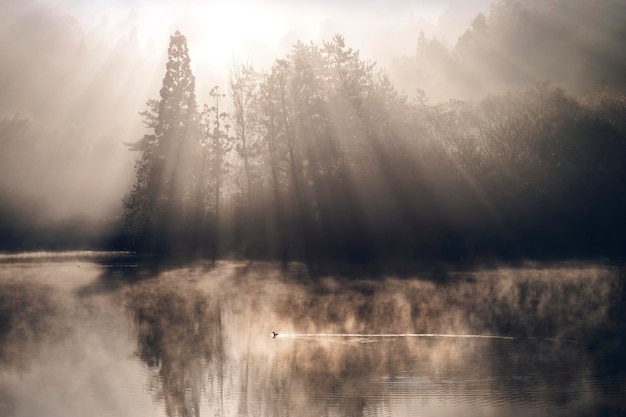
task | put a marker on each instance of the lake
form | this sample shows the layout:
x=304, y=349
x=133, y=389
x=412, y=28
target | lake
x=102, y=334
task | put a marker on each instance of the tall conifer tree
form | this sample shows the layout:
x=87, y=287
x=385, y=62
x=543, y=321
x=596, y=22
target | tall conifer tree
x=159, y=209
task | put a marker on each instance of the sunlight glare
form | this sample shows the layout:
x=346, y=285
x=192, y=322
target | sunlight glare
x=218, y=30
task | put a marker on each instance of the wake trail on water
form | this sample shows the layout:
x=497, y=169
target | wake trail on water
x=389, y=335
x=423, y=335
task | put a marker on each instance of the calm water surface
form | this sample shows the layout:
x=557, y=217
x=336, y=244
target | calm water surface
x=100, y=335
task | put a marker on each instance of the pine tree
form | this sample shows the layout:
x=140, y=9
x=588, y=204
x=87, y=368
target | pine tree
x=159, y=210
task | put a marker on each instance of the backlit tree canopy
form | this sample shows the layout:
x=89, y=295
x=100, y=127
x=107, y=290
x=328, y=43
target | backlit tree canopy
x=320, y=158
x=160, y=209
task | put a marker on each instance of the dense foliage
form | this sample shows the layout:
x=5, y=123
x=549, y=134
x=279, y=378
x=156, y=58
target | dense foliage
x=321, y=158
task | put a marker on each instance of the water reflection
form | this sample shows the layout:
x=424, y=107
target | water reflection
x=63, y=353
x=197, y=342
x=179, y=337
x=28, y=314
x=212, y=338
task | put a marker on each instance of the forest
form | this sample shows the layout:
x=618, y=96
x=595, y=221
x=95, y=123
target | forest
x=322, y=157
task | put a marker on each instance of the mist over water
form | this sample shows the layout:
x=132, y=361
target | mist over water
x=312, y=208
x=88, y=336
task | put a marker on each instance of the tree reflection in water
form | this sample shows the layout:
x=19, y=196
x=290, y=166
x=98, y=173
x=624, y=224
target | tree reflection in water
x=211, y=336
x=180, y=338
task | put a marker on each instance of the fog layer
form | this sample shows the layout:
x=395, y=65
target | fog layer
x=317, y=154
x=106, y=338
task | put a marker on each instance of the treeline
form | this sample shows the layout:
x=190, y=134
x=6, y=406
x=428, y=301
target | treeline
x=577, y=44
x=320, y=158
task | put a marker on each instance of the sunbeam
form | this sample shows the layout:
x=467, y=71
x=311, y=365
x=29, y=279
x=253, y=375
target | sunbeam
x=424, y=199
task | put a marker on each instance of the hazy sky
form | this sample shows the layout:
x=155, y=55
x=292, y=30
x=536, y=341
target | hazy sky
x=256, y=32
x=259, y=31
x=43, y=79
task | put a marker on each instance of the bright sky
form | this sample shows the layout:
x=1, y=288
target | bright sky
x=259, y=31
x=106, y=91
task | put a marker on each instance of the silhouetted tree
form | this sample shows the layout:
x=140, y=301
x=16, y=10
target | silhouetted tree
x=159, y=208
x=251, y=178
x=216, y=144
x=328, y=161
